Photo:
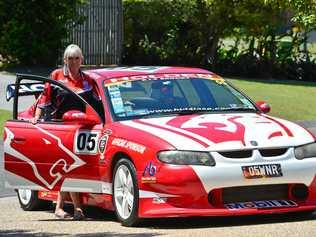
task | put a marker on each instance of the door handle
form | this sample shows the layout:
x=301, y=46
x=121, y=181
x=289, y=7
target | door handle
x=18, y=140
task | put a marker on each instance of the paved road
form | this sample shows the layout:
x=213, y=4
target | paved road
x=15, y=222
x=5, y=79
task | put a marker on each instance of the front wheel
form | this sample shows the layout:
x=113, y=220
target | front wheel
x=29, y=200
x=125, y=192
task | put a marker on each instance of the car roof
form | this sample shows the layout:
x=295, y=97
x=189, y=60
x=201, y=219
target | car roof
x=116, y=72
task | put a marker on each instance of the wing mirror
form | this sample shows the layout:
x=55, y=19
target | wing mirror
x=263, y=106
x=9, y=92
x=76, y=116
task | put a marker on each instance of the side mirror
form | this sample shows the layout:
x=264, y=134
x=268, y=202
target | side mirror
x=76, y=116
x=9, y=92
x=263, y=106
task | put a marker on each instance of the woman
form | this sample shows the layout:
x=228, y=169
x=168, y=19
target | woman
x=75, y=79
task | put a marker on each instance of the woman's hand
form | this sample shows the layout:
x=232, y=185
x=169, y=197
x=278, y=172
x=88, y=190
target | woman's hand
x=34, y=120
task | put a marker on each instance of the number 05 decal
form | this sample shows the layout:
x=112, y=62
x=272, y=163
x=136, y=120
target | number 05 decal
x=85, y=142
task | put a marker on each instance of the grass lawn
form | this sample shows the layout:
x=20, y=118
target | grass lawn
x=288, y=99
x=4, y=115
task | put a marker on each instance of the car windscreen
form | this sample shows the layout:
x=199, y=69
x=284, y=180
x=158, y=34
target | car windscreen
x=131, y=98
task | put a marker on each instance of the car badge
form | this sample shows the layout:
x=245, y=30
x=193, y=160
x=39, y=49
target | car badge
x=254, y=143
x=102, y=143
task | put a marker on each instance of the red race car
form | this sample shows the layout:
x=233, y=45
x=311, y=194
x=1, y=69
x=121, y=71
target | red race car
x=158, y=142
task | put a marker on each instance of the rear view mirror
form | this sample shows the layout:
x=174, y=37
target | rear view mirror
x=9, y=92
x=263, y=106
x=76, y=116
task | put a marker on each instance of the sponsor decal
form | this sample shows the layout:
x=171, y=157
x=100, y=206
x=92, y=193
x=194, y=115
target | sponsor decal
x=85, y=142
x=261, y=204
x=159, y=200
x=129, y=145
x=169, y=76
x=102, y=146
x=149, y=173
x=149, y=180
x=262, y=171
x=102, y=143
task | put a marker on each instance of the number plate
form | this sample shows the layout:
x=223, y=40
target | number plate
x=85, y=142
x=262, y=171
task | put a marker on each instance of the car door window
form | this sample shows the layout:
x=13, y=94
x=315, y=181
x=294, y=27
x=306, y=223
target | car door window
x=62, y=100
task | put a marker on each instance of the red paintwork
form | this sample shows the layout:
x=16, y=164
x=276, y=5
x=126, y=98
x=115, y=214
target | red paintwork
x=189, y=195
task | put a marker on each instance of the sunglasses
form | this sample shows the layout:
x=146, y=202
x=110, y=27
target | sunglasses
x=71, y=58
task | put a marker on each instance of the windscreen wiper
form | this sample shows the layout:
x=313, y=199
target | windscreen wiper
x=236, y=109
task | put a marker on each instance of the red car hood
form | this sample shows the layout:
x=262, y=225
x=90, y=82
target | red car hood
x=216, y=132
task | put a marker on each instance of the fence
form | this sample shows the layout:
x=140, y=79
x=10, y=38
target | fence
x=101, y=35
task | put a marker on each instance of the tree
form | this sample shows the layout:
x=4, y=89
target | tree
x=32, y=32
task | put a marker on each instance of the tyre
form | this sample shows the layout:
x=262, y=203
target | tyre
x=29, y=200
x=125, y=192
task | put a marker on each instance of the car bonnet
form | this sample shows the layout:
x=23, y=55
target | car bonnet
x=218, y=132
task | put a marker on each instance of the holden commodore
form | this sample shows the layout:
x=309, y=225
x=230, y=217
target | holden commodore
x=158, y=142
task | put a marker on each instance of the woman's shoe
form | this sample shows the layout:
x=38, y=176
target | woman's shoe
x=78, y=215
x=62, y=215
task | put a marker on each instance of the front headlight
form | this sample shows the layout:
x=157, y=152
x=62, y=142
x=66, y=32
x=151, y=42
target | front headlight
x=186, y=158
x=305, y=151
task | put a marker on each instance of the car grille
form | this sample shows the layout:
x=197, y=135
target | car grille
x=237, y=154
x=272, y=152
x=240, y=154
x=255, y=193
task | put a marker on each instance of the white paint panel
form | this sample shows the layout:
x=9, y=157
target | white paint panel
x=178, y=141
x=86, y=185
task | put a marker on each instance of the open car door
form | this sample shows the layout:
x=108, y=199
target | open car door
x=58, y=153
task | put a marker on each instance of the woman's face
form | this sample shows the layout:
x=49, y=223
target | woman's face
x=73, y=62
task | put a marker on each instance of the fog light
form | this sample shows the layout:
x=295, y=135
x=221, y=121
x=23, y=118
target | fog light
x=300, y=191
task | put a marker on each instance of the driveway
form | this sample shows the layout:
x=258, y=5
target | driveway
x=5, y=79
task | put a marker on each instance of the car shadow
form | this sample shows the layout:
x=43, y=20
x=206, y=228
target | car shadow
x=219, y=222
x=29, y=233
x=97, y=214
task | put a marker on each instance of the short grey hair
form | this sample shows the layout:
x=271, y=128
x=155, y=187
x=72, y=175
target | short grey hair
x=73, y=50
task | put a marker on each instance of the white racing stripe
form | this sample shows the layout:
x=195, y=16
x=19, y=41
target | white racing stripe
x=178, y=141
x=149, y=194
x=76, y=185
x=162, y=122
x=86, y=185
